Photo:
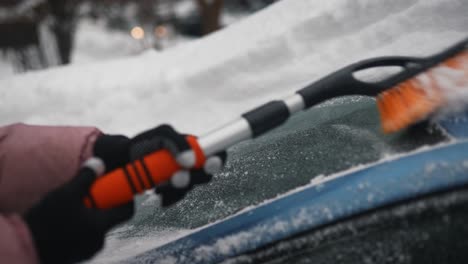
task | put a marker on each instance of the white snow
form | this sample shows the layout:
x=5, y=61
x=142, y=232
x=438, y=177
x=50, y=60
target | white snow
x=6, y=69
x=453, y=82
x=94, y=43
x=205, y=83
x=116, y=249
x=201, y=85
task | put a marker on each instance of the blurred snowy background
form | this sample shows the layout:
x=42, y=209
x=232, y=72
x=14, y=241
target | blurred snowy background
x=127, y=75
x=47, y=33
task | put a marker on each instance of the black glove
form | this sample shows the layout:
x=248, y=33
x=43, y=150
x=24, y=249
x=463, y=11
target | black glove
x=162, y=137
x=64, y=229
x=113, y=150
x=183, y=181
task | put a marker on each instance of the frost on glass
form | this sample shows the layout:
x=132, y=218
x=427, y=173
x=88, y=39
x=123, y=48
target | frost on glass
x=336, y=136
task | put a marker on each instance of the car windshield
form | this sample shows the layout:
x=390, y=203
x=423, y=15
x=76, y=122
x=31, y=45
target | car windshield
x=332, y=137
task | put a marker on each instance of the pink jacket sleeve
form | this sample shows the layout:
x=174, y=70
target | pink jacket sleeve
x=33, y=161
x=16, y=245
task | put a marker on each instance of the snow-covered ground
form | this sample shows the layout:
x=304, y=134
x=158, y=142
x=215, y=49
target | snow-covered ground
x=94, y=43
x=265, y=56
x=205, y=83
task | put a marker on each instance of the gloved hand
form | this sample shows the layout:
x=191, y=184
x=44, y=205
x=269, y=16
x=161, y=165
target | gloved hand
x=113, y=150
x=162, y=137
x=64, y=229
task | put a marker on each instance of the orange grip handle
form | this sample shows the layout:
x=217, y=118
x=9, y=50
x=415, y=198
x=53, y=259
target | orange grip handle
x=119, y=186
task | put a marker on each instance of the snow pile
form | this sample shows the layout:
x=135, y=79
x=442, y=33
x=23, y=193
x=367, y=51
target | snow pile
x=93, y=43
x=6, y=69
x=263, y=57
x=198, y=86
x=121, y=248
x=453, y=81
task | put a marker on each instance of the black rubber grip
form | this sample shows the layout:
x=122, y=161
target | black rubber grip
x=342, y=82
x=267, y=116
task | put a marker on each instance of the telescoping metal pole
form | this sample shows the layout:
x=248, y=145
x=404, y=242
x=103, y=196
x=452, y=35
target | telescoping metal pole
x=251, y=124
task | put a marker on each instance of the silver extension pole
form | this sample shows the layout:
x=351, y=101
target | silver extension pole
x=239, y=130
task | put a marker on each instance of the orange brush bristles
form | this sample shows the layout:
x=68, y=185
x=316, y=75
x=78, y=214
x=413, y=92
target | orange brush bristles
x=417, y=98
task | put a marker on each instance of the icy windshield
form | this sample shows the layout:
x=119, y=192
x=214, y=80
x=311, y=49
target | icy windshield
x=332, y=137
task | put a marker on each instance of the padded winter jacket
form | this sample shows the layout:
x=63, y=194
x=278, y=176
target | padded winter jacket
x=33, y=161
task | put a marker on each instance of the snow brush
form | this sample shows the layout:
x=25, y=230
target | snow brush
x=419, y=97
x=416, y=93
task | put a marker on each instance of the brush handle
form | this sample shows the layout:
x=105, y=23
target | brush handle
x=339, y=83
x=343, y=82
x=423, y=64
x=116, y=188
x=120, y=185
x=274, y=113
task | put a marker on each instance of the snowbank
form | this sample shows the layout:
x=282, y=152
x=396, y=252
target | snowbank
x=207, y=82
x=201, y=85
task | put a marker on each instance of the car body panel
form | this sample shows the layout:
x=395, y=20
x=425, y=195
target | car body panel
x=456, y=125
